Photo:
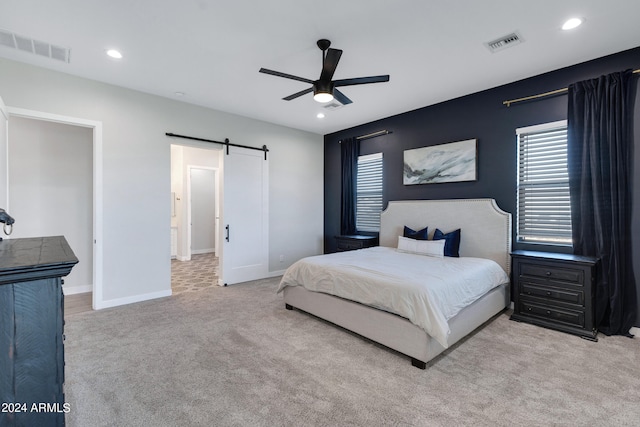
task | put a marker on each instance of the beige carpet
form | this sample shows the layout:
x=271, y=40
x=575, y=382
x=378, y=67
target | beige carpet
x=235, y=357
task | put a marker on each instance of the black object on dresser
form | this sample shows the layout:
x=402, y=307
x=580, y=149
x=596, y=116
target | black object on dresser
x=556, y=291
x=355, y=241
x=31, y=330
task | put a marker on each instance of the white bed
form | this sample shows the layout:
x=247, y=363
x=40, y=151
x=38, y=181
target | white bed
x=486, y=234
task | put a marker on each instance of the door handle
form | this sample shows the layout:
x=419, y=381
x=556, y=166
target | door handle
x=227, y=228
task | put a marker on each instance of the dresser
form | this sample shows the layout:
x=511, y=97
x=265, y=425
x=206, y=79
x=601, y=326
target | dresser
x=355, y=241
x=31, y=330
x=555, y=291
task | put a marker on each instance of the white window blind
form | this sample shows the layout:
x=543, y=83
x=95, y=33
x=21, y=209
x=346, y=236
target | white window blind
x=544, y=207
x=369, y=192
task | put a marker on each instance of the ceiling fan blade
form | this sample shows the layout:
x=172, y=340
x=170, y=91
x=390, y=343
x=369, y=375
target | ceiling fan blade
x=341, y=97
x=361, y=80
x=330, y=63
x=297, y=94
x=286, y=76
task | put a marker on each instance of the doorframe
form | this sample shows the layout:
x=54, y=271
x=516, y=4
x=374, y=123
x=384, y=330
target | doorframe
x=217, y=202
x=5, y=116
x=98, y=207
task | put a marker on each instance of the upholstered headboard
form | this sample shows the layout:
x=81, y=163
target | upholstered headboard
x=485, y=228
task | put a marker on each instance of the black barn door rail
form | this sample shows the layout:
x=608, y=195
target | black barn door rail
x=226, y=143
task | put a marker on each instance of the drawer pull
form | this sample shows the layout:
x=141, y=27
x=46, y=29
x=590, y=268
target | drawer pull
x=548, y=312
x=548, y=273
x=548, y=293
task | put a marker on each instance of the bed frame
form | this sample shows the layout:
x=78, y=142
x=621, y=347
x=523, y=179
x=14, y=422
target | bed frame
x=486, y=233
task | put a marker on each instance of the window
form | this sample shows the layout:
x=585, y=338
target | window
x=369, y=192
x=544, y=208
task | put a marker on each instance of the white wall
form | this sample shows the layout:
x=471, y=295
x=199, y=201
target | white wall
x=51, y=189
x=137, y=173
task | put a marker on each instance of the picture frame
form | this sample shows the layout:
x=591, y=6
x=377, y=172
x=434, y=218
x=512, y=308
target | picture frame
x=449, y=162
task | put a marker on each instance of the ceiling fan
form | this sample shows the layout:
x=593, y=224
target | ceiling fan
x=324, y=89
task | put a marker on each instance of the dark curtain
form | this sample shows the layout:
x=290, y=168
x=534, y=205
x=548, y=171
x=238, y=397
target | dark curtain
x=600, y=156
x=350, y=149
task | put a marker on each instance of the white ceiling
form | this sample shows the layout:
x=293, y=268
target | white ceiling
x=211, y=50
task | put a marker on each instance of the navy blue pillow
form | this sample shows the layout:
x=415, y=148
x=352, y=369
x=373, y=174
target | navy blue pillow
x=451, y=242
x=417, y=235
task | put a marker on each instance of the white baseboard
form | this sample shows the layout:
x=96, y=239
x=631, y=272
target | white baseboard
x=276, y=273
x=132, y=299
x=76, y=289
x=202, y=251
x=183, y=258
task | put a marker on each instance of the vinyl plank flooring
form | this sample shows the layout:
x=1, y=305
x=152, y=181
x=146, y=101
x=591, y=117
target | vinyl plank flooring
x=78, y=303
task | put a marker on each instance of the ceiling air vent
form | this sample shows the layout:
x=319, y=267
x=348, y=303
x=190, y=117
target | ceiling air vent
x=37, y=47
x=504, y=42
x=332, y=105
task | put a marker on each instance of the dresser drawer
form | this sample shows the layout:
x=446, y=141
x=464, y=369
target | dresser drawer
x=570, y=275
x=555, y=314
x=555, y=294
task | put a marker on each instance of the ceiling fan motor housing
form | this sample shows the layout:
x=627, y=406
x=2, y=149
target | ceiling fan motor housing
x=320, y=86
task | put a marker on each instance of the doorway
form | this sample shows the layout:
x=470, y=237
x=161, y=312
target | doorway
x=202, y=209
x=243, y=188
x=195, y=192
x=54, y=186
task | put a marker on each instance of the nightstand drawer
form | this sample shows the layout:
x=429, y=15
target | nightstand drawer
x=344, y=245
x=352, y=242
x=552, y=273
x=555, y=314
x=563, y=295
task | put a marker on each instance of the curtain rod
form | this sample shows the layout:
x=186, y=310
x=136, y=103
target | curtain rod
x=226, y=142
x=543, y=95
x=372, y=135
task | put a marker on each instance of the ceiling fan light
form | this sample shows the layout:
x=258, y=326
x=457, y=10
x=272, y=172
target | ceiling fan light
x=323, y=91
x=322, y=97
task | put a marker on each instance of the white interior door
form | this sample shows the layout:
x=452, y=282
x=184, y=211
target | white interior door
x=245, y=216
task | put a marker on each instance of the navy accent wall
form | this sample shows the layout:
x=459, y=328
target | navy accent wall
x=482, y=116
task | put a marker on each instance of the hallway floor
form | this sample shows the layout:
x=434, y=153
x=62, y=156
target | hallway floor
x=199, y=273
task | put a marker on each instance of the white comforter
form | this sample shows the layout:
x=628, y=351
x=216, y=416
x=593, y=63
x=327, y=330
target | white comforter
x=426, y=290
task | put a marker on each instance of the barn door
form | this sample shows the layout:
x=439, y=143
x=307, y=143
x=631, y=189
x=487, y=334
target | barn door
x=245, y=216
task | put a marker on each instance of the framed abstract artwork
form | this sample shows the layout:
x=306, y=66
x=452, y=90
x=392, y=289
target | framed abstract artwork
x=451, y=162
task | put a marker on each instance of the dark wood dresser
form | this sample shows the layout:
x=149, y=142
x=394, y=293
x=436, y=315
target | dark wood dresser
x=355, y=241
x=555, y=291
x=31, y=330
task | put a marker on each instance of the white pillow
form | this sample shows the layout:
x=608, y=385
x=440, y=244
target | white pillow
x=421, y=247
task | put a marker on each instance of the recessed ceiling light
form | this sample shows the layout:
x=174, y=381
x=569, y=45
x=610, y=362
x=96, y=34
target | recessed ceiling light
x=114, y=53
x=320, y=115
x=572, y=23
